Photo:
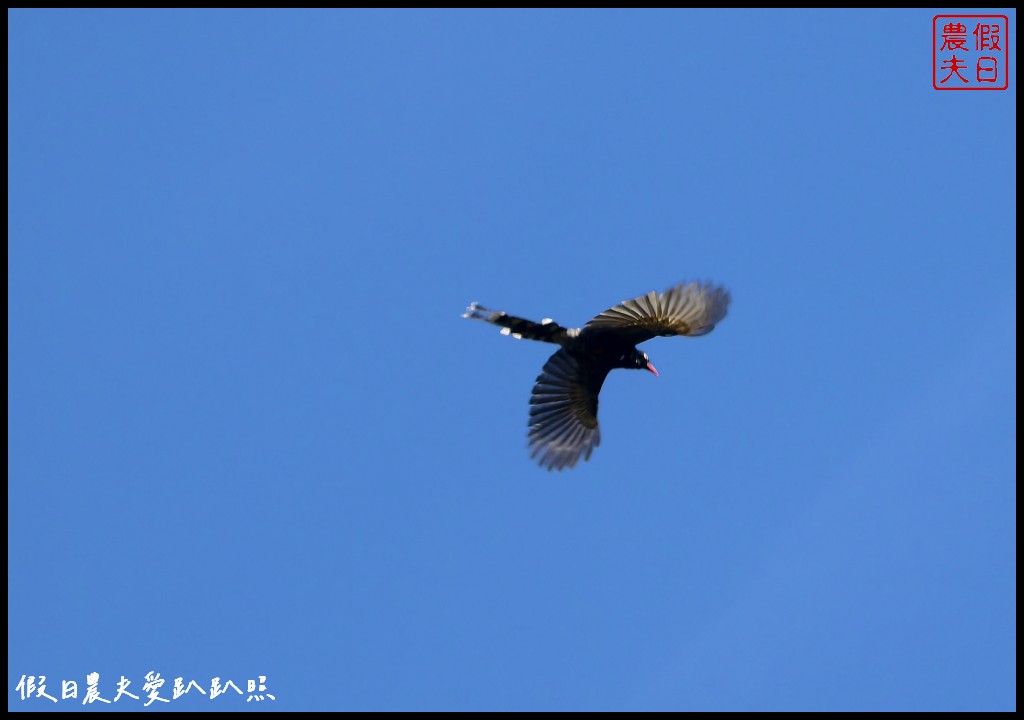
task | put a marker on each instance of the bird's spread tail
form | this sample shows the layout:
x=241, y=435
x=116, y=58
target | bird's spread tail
x=545, y=331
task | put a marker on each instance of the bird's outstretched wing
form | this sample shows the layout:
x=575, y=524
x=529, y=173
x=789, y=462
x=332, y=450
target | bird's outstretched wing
x=687, y=309
x=563, y=411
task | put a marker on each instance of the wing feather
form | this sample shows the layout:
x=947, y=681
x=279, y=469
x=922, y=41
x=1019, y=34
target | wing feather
x=563, y=411
x=687, y=309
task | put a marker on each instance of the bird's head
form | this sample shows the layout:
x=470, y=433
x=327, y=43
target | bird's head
x=638, y=360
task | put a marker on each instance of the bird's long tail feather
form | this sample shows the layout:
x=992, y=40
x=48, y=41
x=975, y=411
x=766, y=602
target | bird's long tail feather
x=545, y=331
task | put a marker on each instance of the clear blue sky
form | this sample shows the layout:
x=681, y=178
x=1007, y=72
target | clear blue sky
x=250, y=434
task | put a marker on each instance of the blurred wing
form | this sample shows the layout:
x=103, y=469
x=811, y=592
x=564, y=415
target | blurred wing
x=563, y=411
x=687, y=309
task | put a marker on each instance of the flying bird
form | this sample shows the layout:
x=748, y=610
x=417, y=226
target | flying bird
x=563, y=405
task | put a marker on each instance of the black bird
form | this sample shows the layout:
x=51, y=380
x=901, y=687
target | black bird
x=563, y=406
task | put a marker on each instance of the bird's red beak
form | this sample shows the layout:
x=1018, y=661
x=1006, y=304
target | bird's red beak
x=651, y=368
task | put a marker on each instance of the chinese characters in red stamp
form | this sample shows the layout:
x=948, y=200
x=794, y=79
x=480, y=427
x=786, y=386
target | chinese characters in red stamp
x=970, y=52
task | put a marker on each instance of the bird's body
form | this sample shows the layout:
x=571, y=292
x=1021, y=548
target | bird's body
x=563, y=405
